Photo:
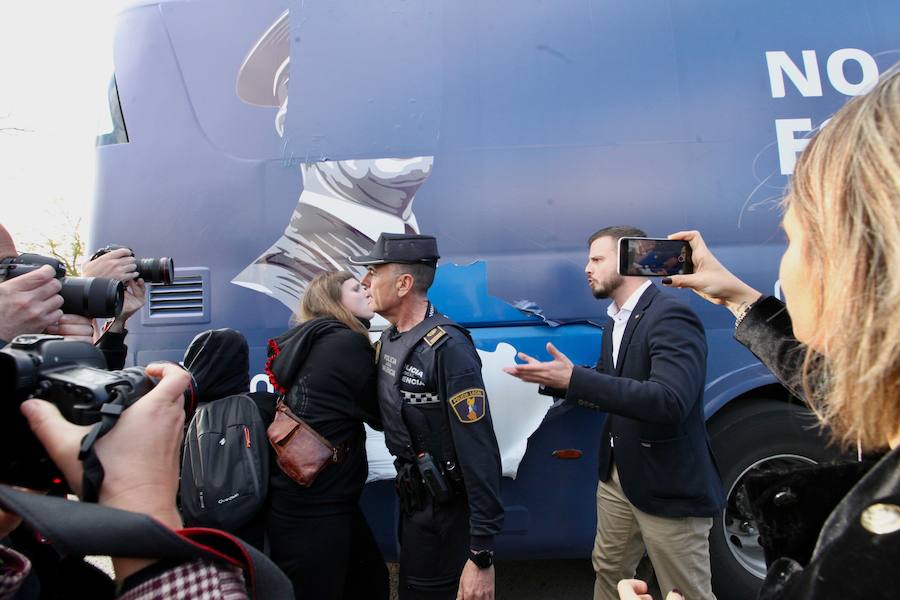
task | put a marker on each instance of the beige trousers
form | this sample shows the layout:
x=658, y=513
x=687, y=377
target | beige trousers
x=678, y=546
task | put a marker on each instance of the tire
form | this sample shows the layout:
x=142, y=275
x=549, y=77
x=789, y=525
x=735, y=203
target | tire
x=753, y=434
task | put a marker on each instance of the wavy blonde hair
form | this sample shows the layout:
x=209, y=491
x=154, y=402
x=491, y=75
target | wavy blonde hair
x=322, y=298
x=845, y=193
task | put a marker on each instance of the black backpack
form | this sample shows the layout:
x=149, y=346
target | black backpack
x=225, y=465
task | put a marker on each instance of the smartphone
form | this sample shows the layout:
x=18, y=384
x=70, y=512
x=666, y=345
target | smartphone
x=654, y=257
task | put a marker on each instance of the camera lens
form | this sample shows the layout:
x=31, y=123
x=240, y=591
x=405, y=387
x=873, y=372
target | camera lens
x=94, y=297
x=157, y=270
x=18, y=375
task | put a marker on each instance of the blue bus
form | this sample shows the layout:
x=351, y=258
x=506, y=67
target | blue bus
x=261, y=142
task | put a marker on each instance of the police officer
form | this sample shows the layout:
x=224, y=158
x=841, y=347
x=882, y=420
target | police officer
x=437, y=424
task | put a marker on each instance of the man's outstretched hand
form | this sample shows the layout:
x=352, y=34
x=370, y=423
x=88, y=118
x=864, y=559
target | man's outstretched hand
x=555, y=373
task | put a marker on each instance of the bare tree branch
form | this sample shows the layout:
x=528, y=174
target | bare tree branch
x=67, y=247
x=19, y=129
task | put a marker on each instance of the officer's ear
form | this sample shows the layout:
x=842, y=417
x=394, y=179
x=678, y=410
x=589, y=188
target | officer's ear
x=404, y=284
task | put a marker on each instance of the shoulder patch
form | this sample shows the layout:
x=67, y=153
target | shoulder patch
x=434, y=336
x=469, y=405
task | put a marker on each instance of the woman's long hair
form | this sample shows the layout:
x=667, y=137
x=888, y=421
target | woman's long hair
x=846, y=195
x=322, y=298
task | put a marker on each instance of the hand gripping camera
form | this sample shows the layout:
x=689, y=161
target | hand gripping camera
x=73, y=376
x=152, y=270
x=93, y=297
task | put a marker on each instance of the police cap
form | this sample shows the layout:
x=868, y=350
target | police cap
x=400, y=248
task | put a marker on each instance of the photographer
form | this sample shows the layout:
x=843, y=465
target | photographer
x=30, y=303
x=119, y=264
x=140, y=457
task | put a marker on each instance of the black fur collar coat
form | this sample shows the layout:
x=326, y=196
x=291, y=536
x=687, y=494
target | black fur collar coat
x=857, y=553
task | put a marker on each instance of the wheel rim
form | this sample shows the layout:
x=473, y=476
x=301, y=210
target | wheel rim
x=740, y=530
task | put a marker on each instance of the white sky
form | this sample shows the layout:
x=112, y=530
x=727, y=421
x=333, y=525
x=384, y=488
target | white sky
x=55, y=63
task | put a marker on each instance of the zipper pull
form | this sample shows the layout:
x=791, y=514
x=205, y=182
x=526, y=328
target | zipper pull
x=202, y=503
x=247, y=435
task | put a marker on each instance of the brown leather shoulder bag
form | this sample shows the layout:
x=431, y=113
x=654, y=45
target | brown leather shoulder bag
x=302, y=452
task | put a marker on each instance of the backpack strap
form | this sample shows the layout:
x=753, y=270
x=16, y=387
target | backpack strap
x=81, y=528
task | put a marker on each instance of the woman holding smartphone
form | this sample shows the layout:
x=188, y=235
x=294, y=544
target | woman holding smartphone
x=325, y=367
x=837, y=344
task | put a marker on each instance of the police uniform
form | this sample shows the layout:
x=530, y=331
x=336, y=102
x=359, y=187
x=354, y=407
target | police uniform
x=438, y=426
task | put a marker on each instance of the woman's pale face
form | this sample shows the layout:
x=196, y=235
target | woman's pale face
x=796, y=282
x=355, y=298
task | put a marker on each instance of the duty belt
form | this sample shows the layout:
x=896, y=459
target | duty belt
x=413, y=491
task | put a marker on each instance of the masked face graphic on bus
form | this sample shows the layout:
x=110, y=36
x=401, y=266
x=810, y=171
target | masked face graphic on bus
x=344, y=204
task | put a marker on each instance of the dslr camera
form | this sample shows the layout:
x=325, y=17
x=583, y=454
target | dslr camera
x=153, y=270
x=70, y=374
x=93, y=297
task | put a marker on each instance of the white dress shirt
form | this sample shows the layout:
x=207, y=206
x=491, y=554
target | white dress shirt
x=620, y=318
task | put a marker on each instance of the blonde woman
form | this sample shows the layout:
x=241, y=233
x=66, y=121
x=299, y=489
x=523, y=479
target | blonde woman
x=325, y=367
x=838, y=342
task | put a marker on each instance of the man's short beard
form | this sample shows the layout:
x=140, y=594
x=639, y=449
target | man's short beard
x=607, y=287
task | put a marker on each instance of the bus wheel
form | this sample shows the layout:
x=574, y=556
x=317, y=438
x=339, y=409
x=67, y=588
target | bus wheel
x=753, y=435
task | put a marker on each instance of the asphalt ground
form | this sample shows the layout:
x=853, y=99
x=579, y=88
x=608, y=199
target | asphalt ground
x=535, y=580
x=545, y=579
x=521, y=579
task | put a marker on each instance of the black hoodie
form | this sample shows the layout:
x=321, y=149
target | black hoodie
x=327, y=373
x=219, y=361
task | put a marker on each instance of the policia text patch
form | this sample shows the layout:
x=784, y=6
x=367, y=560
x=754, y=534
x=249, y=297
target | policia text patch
x=469, y=405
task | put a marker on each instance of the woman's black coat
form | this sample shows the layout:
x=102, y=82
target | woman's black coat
x=857, y=554
x=328, y=372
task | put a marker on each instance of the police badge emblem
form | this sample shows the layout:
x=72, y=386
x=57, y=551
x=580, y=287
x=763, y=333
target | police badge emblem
x=469, y=405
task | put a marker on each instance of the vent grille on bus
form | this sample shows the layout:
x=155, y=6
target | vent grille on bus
x=186, y=300
x=183, y=297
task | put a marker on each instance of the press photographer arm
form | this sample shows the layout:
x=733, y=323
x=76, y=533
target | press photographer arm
x=116, y=264
x=116, y=439
x=119, y=264
x=35, y=293
x=28, y=303
x=140, y=454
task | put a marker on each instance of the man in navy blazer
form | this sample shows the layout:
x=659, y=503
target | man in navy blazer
x=659, y=486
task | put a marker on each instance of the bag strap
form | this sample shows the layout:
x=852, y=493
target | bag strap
x=80, y=528
x=282, y=406
x=92, y=468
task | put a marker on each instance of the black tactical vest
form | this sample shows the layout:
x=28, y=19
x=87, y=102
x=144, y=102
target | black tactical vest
x=392, y=355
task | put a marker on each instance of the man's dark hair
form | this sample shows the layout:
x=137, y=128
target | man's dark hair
x=422, y=274
x=616, y=232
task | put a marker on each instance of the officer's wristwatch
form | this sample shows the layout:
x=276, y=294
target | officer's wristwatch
x=482, y=559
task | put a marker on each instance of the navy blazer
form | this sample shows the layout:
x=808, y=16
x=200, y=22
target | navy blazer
x=655, y=430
